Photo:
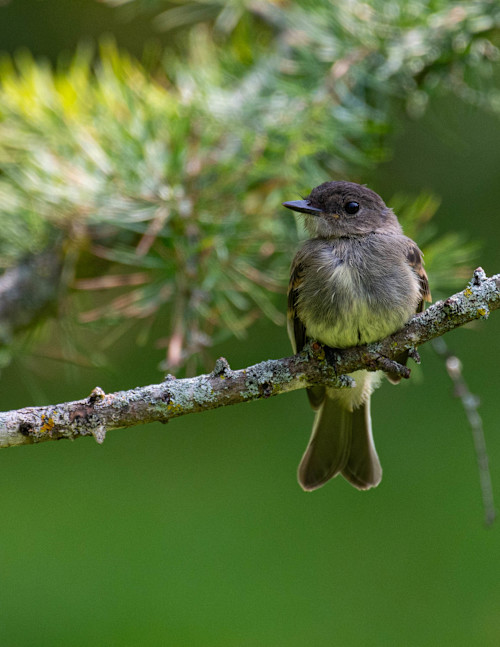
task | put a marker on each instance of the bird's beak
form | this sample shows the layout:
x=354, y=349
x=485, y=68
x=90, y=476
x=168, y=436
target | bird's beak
x=302, y=206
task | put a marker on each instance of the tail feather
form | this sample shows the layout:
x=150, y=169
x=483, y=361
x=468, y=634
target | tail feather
x=316, y=395
x=363, y=469
x=328, y=450
x=341, y=442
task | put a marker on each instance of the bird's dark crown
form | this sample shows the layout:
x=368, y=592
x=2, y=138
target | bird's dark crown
x=331, y=197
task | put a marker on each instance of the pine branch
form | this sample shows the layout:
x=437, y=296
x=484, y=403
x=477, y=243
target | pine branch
x=26, y=290
x=101, y=412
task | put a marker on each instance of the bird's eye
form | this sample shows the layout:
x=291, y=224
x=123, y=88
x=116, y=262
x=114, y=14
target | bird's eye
x=351, y=208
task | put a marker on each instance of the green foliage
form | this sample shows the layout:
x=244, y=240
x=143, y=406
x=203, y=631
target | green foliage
x=165, y=186
x=143, y=177
x=370, y=50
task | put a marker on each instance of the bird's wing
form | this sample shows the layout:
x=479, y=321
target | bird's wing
x=414, y=257
x=295, y=327
x=415, y=261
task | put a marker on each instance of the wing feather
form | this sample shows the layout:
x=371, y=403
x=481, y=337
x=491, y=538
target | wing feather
x=296, y=329
x=415, y=261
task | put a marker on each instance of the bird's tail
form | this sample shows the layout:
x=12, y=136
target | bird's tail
x=341, y=442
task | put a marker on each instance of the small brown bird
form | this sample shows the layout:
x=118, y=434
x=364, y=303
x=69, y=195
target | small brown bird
x=357, y=280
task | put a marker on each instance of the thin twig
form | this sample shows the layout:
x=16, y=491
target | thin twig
x=470, y=403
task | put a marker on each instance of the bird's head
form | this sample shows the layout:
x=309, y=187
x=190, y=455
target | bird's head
x=344, y=209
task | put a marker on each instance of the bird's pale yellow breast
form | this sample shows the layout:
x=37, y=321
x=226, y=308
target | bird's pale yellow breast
x=342, y=304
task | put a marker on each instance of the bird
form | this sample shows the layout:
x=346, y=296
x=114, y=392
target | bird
x=355, y=281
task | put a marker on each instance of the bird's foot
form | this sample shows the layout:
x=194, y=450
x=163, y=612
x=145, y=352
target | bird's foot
x=380, y=363
x=331, y=357
x=414, y=354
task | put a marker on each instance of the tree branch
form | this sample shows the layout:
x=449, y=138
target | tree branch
x=172, y=398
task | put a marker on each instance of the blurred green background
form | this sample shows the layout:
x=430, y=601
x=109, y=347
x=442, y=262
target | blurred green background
x=196, y=533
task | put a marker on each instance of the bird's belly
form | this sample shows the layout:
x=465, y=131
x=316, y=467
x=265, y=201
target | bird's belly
x=361, y=326
x=345, y=308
